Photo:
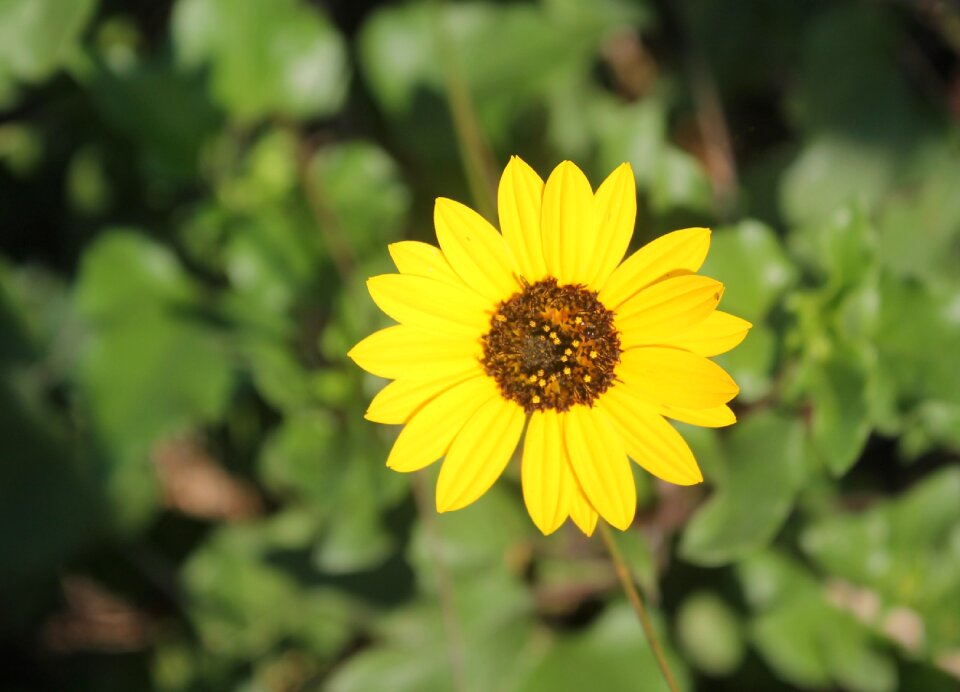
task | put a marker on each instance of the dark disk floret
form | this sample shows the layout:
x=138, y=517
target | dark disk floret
x=551, y=346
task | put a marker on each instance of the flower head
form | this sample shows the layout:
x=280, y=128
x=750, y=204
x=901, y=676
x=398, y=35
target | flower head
x=543, y=328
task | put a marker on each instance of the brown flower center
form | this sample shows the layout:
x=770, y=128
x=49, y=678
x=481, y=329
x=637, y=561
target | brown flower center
x=551, y=346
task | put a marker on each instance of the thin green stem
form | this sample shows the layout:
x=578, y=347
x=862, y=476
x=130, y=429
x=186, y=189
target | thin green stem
x=474, y=153
x=633, y=595
x=454, y=636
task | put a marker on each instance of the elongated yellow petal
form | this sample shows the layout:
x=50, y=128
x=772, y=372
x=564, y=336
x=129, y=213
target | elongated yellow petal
x=548, y=482
x=600, y=464
x=519, y=198
x=716, y=417
x=717, y=334
x=657, y=313
x=649, y=439
x=680, y=250
x=479, y=453
x=399, y=400
x=615, y=213
x=675, y=377
x=428, y=434
x=582, y=512
x=416, y=301
x=422, y=259
x=402, y=351
x=566, y=224
x=475, y=250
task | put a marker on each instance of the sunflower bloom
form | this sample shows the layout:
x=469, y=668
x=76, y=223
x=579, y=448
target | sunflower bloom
x=543, y=328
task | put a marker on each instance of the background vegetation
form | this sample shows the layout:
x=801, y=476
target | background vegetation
x=191, y=195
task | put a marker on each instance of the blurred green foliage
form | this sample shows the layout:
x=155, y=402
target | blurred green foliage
x=191, y=196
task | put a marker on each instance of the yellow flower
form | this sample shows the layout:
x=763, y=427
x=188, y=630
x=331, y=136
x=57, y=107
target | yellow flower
x=542, y=327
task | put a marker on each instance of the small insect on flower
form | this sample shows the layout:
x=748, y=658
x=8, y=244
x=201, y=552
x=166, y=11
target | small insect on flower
x=544, y=328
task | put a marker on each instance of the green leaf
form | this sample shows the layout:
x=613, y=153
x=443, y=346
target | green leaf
x=403, y=61
x=765, y=465
x=367, y=197
x=904, y=548
x=125, y=273
x=841, y=420
x=611, y=654
x=679, y=182
x=38, y=37
x=832, y=171
x=709, y=633
x=284, y=58
x=475, y=537
x=751, y=363
x=911, y=318
x=803, y=637
x=495, y=643
x=243, y=602
x=811, y=644
x=150, y=367
x=750, y=261
x=919, y=224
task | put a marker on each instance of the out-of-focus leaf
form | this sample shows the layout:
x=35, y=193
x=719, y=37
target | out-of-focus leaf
x=339, y=475
x=679, y=181
x=495, y=643
x=610, y=655
x=751, y=363
x=911, y=318
x=841, y=421
x=243, y=603
x=905, y=549
x=368, y=200
x=403, y=60
x=750, y=262
x=919, y=225
x=125, y=274
x=812, y=644
x=841, y=249
x=476, y=537
x=765, y=464
x=835, y=171
x=151, y=366
x=709, y=633
x=281, y=58
x=633, y=132
x=161, y=112
x=37, y=37
x=803, y=637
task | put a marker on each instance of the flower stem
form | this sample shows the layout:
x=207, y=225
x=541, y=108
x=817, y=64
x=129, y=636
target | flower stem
x=633, y=595
x=474, y=154
x=451, y=625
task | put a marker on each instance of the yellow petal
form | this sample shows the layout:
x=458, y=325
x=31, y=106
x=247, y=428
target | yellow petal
x=684, y=250
x=717, y=334
x=548, y=483
x=413, y=300
x=402, y=351
x=657, y=313
x=518, y=201
x=650, y=440
x=716, y=417
x=479, y=453
x=395, y=403
x=567, y=223
x=430, y=431
x=615, y=213
x=475, y=250
x=600, y=464
x=582, y=512
x=422, y=259
x=675, y=377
